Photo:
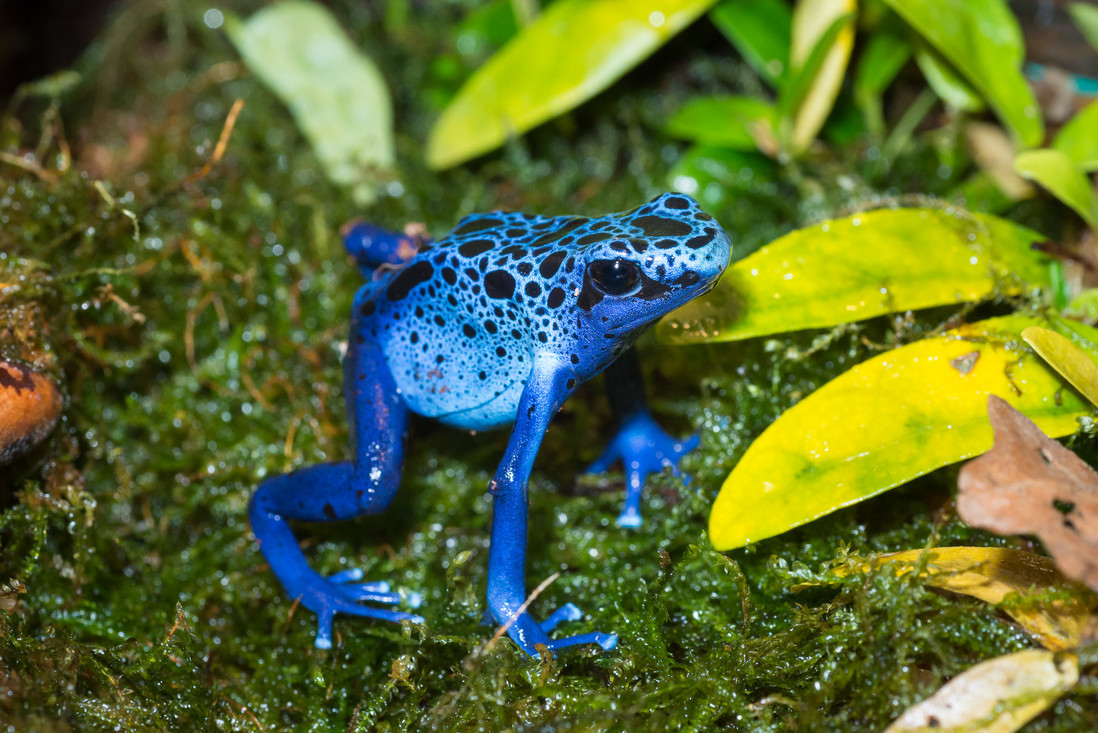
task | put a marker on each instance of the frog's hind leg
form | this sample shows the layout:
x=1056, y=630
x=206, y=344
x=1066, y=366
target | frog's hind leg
x=336, y=491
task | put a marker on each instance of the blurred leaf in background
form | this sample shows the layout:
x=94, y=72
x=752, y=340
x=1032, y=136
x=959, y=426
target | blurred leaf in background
x=337, y=95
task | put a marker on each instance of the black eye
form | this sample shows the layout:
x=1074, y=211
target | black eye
x=614, y=277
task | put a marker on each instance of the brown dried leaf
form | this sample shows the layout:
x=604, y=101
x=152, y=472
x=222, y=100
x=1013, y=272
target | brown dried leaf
x=1030, y=484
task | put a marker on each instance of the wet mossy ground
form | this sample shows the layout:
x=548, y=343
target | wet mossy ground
x=196, y=326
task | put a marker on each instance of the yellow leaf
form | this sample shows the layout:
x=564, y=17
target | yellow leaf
x=892, y=418
x=1073, y=364
x=810, y=19
x=862, y=266
x=997, y=696
x=997, y=575
x=574, y=50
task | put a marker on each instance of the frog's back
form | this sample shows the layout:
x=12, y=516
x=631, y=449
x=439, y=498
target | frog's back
x=461, y=322
x=452, y=321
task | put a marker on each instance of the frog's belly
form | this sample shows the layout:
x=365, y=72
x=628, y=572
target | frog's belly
x=471, y=396
x=495, y=413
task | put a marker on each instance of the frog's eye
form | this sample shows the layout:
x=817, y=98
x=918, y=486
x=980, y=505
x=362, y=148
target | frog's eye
x=614, y=277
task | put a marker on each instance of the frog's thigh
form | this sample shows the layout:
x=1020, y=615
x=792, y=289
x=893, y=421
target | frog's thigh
x=366, y=485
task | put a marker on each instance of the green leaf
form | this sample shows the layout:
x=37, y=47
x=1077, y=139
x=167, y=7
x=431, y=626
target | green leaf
x=732, y=122
x=1078, y=139
x=489, y=25
x=712, y=174
x=981, y=192
x=1085, y=16
x=885, y=53
x=823, y=36
x=896, y=416
x=574, y=50
x=1066, y=181
x=760, y=31
x=982, y=40
x=949, y=85
x=337, y=96
x=1074, y=362
x=858, y=267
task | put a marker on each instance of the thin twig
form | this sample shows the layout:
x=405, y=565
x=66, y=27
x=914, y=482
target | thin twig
x=520, y=610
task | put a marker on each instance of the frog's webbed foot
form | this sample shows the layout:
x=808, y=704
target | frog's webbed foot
x=570, y=612
x=643, y=448
x=343, y=593
x=375, y=591
x=528, y=633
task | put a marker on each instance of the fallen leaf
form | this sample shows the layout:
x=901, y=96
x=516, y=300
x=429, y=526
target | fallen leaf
x=1030, y=484
x=996, y=696
x=901, y=414
x=1057, y=611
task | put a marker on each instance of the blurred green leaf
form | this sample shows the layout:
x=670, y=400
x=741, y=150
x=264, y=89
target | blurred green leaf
x=760, y=31
x=980, y=192
x=896, y=416
x=823, y=36
x=1078, y=139
x=1083, y=306
x=574, y=50
x=982, y=40
x=1066, y=181
x=489, y=25
x=949, y=85
x=845, y=124
x=728, y=121
x=337, y=96
x=711, y=174
x=858, y=267
x=884, y=54
x=1085, y=16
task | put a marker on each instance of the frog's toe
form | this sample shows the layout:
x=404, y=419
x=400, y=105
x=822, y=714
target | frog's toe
x=365, y=592
x=606, y=641
x=567, y=612
x=687, y=445
x=609, y=457
x=376, y=591
x=630, y=518
x=325, y=615
x=350, y=575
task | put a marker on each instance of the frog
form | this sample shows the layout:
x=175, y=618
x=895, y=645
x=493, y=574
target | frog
x=496, y=324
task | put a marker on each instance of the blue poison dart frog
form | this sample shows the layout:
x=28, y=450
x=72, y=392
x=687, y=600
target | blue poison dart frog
x=495, y=324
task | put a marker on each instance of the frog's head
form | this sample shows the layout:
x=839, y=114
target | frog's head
x=660, y=256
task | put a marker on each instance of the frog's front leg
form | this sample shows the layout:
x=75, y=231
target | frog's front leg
x=335, y=491
x=544, y=393
x=642, y=446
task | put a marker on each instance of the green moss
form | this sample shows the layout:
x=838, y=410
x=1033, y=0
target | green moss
x=196, y=328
